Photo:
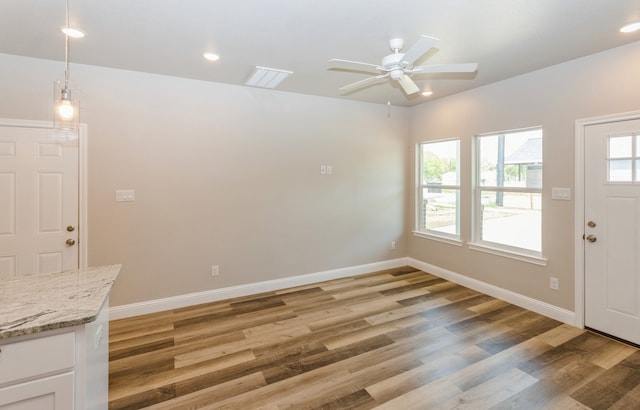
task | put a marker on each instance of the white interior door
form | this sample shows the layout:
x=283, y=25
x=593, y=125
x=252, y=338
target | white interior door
x=612, y=228
x=38, y=202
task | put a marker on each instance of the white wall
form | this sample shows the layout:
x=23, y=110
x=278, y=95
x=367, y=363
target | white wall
x=225, y=175
x=553, y=98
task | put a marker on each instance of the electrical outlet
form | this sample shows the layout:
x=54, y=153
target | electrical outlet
x=215, y=270
x=554, y=283
x=393, y=245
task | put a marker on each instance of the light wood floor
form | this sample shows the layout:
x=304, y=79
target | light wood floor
x=396, y=339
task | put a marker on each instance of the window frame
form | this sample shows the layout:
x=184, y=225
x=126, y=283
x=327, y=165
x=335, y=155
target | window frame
x=420, y=219
x=501, y=249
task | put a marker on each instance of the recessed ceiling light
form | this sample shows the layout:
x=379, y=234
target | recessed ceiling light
x=427, y=93
x=211, y=56
x=630, y=28
x=73, y=32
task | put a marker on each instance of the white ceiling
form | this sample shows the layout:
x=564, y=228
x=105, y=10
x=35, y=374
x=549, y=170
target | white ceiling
x=506, y=37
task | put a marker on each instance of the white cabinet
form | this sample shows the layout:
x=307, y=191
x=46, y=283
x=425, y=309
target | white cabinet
x=38, y=373
x=61, y=369
x=48, y=393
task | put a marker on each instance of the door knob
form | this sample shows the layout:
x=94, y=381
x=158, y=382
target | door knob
x=70, y=242
x=591, y=224
x=71, y=228
x=591, y=238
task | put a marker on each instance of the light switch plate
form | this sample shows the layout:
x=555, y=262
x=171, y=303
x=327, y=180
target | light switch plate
x=125, y=195
x=563, y=194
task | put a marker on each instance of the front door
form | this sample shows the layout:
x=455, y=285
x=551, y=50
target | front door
x=612, y=228
x=38, y=202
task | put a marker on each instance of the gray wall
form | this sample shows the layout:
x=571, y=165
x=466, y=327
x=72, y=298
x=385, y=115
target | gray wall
x=226, y=175
x=230, y=175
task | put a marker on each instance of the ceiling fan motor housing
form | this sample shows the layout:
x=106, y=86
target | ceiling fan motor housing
x=393, y=65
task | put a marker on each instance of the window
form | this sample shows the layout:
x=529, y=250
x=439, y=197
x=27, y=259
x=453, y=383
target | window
x=623, y=158
x=439, y=188
x=508, y=191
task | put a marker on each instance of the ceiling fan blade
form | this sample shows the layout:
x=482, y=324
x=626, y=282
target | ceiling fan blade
x=444, y=68
x=424, y=44
x=362, y=83
x=352, y=65
x=408, y=85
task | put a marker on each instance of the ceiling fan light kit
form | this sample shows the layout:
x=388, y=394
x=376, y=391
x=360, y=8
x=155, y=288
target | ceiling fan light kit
x=400, y=67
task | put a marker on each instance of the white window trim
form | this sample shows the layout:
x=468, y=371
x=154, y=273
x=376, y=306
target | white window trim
x=477, y=244
x=439, y=237
x=519, y=254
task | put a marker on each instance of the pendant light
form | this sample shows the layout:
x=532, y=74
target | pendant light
x=66, y=112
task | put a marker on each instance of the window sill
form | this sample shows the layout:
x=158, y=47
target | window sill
x=439, y=238
x=523, y=257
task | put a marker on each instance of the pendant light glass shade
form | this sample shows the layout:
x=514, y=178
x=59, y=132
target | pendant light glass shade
x=66, y=110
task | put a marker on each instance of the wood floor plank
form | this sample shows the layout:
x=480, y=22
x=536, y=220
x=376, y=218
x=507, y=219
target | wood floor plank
x=430, y=371
x=164, y=381
x=613, y=385
x=404, y=311
x=427, y=396
x=519, y=335
x=492, y=392
x=498, y=363
x=211, y=395
x=468, y=376
x=320, y=359
x=560, y=334
x=142, y=329
x=284, y=392
x=629, y=401
x=365, y=309
x=372, y=331
x=569, y=403
x=541, y=394
x=120, y=361
x=489, y=306
x=393, y=339
x=610, y=354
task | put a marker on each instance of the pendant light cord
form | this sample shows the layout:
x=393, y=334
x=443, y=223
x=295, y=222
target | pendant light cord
x=66, y=52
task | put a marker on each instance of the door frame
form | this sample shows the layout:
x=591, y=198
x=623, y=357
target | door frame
x=579, y=213
x=83, y=233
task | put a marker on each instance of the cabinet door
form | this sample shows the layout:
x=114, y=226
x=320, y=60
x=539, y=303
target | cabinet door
x=49, y=393
x=31, y=358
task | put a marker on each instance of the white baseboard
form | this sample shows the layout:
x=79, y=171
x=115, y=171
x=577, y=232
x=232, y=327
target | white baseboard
x=175, y=302
x=543, y=308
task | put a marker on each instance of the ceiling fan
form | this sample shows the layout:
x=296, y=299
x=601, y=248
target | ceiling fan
x=399, y=66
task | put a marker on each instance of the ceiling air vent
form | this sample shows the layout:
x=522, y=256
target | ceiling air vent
x=267, y=77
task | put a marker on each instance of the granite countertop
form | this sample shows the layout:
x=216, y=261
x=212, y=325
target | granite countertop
x=36, y=303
